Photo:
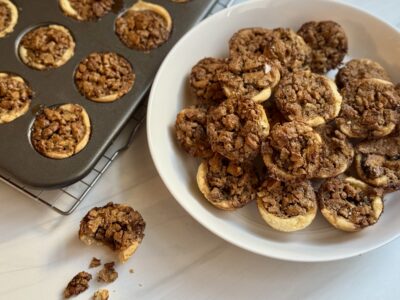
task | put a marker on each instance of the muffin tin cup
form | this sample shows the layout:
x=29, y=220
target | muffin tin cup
x=54, y=86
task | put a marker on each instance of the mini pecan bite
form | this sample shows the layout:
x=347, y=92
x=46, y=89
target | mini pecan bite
x=8, y=17
x=308, y=97
x=117, y=226
x=62, y=131
x=287, y=206
x=87, y=10
x=104, y=77
x=328, y=43
x=144, y=26
x=15, y=97
x=336, y=152
x=245, y=46
x=108, y=273
x=378, y=162
x=226, y=184
x=236, y=128
x=287, y=47
x=191, y=132
x=370, y=108
x=46, y=47
x=362, y=68
x=255, y=83
x=77, y=285
x=349, y=204
x=204, y=82
x=291, y=152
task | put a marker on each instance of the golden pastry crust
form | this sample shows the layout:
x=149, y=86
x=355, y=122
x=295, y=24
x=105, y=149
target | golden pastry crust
x=204, y=82
x=336, y=153
x=308, y=97
x=328, y=43
x=349, y=204
x=370, y=109
x=88, y=10
x=236, y=128
x=286, y=206
x=46, y=47
x=378, y=162
x=226, y=184
x=8, y=17
x=191, y=131
x=357, y=69
x=287, y=47
x=62, y=131
x=15, y=97
x=291, y=152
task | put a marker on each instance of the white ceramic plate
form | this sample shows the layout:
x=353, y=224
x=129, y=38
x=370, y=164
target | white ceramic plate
x=368, y=37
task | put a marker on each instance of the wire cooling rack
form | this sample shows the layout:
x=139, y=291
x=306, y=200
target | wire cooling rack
x=66, y=200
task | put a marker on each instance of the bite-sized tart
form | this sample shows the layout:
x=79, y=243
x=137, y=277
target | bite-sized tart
x=378, y=162
x=255, y=82
x=8, y=17
x=370, y=108
x=328, y=43
x=117, y=226
x=78, y=284
x=291, y=152
x=287, y=47
x=204, y=81
x=287, y=206
x=349, y=204
x=191, y=131
x=236, y=128
x=15, y=97
x=226, y=184
x=62, y=131
x=308, y=97
x=104, y=77
x=87, y=10
x=144, y=26
x=245, y=46
x=362, y=68
x=336, y=153
x=46, y=47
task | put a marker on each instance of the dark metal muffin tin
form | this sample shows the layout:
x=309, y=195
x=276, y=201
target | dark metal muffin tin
x=56, y=86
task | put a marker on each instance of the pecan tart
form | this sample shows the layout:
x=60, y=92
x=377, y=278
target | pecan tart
x=87, y=10
x=8, y=17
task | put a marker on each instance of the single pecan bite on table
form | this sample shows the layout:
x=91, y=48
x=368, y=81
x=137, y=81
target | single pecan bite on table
x=191, y=131
x=291, y=152
x=349, y=204
x=104, y=77
x=255, y=82
x=378, y=162
x=117, y=226
x=328, y=43
x=245, y=46
x=308, y=97
x=46, y=47
x=287, y=206
x=226, y=184
x=370, y=108
x=87, y=10
x=78, y=284
x=287, y=47
x=60, y=132
x=336, y=152
x=362, y=68
x=8, y=17
x=204, y=81
x=15, y=97
x=144, y=26
x=236, y=128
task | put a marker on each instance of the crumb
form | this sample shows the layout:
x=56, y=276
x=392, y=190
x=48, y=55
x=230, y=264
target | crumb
x=108, y=273
x=101, y=295
x=140, y=285
x=78, y=284
x=94, y=263
x=131, y=271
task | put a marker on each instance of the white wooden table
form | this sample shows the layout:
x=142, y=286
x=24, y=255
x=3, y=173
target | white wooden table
x=179, y=259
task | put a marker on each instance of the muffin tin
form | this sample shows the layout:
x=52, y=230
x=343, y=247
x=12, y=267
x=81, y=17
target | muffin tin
x=56, y=86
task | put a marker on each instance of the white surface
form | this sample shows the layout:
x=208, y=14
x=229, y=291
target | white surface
x=368, y=37
x=178, y=259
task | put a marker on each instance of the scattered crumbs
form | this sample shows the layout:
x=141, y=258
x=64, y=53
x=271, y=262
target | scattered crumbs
x=94, y=263
x=131, y=271
x=101, y=295
x=108, y=273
